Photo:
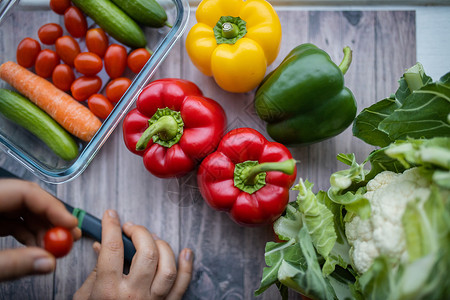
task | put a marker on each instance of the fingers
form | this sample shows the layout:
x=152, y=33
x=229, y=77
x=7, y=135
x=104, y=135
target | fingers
x=18, y=230
x=36, y=225
x=84, y=292
x=25, y=261
x=166, y=272
x=185, y=265
x=19, y=194
x=110, y=259
x=97, y=247
x=153, y=272
x=145, y=261
x=154, y=265
x=76, y=233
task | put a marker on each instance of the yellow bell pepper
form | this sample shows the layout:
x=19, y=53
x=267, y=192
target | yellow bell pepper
x=234, y=41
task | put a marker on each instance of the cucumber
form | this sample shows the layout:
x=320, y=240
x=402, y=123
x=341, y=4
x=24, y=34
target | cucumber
x=114, y=21
x=145, y=12
x=23, y=112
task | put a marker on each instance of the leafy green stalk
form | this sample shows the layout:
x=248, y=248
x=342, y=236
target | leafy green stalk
x=309, y=280
x=343, y=184
x=317, y=217
x=288, y=226
x=295, y=265
x=275, y=254
x=311, y=226
x=420, y=108
x=432, y=152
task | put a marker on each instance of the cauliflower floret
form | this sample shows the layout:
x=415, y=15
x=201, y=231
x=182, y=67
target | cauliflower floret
x=383, y=233
x=383, y=178
x=365, y=251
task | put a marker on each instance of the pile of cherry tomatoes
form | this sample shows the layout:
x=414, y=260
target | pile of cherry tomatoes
x=74, y=71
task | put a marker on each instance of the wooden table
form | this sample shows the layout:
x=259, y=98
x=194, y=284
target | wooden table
x=228, y=258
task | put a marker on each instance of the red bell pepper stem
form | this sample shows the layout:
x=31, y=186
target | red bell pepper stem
x=166, y=127
x=249, y=175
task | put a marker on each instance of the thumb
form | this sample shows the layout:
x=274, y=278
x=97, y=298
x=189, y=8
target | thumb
x=19, y=262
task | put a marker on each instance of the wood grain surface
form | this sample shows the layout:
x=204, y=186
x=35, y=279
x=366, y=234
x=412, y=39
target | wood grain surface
x=228, y=258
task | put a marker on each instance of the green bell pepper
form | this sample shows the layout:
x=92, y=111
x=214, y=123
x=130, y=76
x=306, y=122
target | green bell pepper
x=304, y=99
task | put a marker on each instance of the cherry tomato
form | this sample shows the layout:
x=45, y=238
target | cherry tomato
x=116, y=88
x=59, y=6
x=97, y=41
x=100, y=105
x=46, y=61
x=67, y=48
x=58, y=241
x=115, y=60
x=85, y=86
x=137, y=59
x=75, y=22
x=27, y=52
x=62, y=77
x=88, y=63
x=49, y=33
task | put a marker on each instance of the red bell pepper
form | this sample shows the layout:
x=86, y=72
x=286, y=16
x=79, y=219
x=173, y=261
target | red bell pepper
x=173, y=127
x=248, y=176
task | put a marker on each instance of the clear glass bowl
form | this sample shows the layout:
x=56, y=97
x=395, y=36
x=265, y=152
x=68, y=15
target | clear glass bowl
x=20, y=19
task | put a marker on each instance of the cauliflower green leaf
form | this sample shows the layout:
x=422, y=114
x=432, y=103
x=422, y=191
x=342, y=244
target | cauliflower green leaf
x=317, y=217
x=419, y=109
x=296, y=265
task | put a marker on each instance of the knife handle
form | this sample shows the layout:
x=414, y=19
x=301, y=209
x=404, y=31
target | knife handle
x=92, y=227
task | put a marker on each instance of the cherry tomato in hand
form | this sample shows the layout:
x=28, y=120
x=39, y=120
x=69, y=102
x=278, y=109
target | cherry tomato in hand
x=49, y=33
x=115, y=60
x=59, y=6
x=58, y=241
x=63, y=77
x=67, y=48
x=137, y=59
x=85, y=86
x=100, y=105
x=97, y=41
x=88, y=63
x=116, y=88
x=46, y=61
x=27, y=52
x=75, y=22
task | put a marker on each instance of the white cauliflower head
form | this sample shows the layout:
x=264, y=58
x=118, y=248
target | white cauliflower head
x=383, y=233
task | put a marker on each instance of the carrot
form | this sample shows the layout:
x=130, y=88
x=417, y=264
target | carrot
x=69, y=113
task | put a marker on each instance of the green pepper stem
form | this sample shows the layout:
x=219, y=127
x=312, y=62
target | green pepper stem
x=168, y=24
x=249, y=175
x=166, y=127
x=229, y=30
x=347, y=60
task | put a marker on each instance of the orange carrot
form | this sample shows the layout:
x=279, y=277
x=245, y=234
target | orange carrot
x=69, y=113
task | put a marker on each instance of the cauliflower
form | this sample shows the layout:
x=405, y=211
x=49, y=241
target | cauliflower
x=382, y=233
x=386, y=229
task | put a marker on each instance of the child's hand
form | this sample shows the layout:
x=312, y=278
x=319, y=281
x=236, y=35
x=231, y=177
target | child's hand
x=27, y=212
x=153, y=271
